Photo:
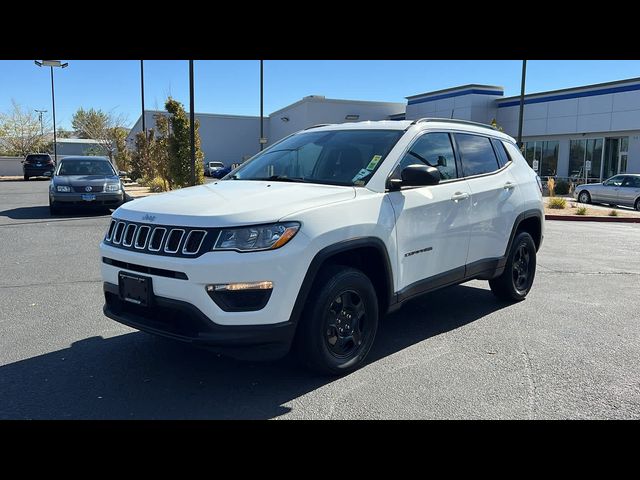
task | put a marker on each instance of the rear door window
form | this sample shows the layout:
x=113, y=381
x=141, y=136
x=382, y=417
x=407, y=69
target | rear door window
x=477, y=154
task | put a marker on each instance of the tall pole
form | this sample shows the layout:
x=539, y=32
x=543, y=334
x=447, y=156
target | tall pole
x=261, y=106
x=192, y=125
x=524, y=75
x=53, y=101
x=144, y=127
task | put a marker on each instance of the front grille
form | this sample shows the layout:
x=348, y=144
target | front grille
x=160, y=239
x=83, y=189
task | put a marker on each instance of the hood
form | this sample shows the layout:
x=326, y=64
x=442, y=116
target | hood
x=84, y=180
x=232, y=202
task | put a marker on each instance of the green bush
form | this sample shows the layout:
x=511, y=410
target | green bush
x=557, y=203
x=156, y=185
x=581, y=211
x=613, y=213
x=561, y=187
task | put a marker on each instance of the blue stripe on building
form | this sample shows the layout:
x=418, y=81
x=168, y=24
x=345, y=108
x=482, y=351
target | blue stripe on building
x=455, y=94
x=567, y=96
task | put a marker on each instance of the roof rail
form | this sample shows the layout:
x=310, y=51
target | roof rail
x=319, y=125
x=453, y=120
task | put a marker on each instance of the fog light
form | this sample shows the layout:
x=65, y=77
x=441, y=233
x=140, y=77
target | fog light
x=266, y=285
x=242, y=296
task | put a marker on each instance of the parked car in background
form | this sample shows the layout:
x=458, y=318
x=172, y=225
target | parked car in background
x=212, y=167
x=37, y=165
x=221, y=172
x=85, y=182
x=623, y=189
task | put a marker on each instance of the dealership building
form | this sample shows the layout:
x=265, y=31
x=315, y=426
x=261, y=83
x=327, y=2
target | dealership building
x=590, y=131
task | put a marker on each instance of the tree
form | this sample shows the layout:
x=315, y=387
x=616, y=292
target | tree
x=22, y=131
x=122, y=154
x=100, y=126
x=141, y=166
x=179, y=165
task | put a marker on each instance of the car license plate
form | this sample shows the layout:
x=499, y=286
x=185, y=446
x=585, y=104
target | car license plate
x=135, y=288
x=88, y=197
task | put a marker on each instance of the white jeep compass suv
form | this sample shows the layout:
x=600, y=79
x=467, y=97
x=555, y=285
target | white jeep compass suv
x=312, y=241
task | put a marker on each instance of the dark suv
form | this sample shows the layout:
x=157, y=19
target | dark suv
x=37, y=165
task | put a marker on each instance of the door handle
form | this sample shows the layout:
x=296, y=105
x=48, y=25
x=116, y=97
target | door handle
x=509, y=186
x=459, y=196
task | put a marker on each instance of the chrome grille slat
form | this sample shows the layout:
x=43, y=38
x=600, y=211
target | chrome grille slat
x=170, y=237
x=118, y=232
x=153, y=236
x=186, y=242
x=136, y=244
x=126, y=234
x=110, y=231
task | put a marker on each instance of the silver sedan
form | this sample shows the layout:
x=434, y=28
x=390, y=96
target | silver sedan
x=623, y=189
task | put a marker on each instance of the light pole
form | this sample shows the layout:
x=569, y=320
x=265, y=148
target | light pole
x=524, y=76
x=261, y=107
x=144, y=128
x=40, y=112
x=51, y=64
x=192, y=121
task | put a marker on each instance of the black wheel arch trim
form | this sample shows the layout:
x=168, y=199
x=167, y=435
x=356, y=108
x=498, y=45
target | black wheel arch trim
x=531, y=213
x=326, y=253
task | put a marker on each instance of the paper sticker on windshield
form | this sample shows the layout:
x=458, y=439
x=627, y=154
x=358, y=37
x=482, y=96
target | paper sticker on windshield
x=360, y=175
x=374, y=161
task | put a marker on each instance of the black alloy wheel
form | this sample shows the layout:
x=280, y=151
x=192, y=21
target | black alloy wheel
x=339, y=323
x=346, y=324
x=519, y=272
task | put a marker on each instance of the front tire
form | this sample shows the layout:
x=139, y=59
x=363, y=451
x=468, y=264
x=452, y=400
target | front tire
x=339, y=322
x=54, y=209
x=26, y=177
x=638, y=204
x=516, y=280
x=584, y=197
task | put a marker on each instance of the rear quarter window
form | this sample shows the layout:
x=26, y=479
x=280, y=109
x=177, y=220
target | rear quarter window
x=501, y=152
x=476, y=154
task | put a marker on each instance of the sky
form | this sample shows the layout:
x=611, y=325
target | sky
x=233, y=86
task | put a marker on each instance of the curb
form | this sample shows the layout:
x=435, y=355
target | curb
x=586, y=218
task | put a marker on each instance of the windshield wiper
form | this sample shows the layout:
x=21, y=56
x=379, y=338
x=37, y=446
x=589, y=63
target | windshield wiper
x=280, y=178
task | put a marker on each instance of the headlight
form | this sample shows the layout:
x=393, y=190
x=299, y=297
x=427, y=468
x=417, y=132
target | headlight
x=113, y=187
x=262, y=237
x=63, y=188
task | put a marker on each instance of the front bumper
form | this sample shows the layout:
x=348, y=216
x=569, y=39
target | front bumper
x=182, y=321
x=101, y=200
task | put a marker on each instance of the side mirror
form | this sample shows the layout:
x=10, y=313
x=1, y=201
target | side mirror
x=418, y=176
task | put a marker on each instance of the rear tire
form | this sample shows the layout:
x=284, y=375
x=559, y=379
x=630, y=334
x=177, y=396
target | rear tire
x=638, y=204
x=26, y=178
x=516, y=280
x=584, y=197
x=339, y=322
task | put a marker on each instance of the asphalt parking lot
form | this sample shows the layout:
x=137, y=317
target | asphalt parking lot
x=570, y=350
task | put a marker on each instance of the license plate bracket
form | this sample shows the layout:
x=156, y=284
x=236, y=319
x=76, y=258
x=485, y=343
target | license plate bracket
x=135, y=289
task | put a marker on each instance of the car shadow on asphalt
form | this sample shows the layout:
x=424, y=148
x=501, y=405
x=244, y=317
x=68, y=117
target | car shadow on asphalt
x=41, y=212
x=136, y=375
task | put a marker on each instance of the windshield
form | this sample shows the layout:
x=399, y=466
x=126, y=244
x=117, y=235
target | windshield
x=337, y=157
x=215, y=165
x=85, y=167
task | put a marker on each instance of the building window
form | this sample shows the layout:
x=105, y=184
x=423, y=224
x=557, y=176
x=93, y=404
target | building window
x=545, y=154
x=583, y=151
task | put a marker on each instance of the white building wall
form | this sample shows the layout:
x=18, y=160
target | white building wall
x=317, y=110
x=224, y=138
